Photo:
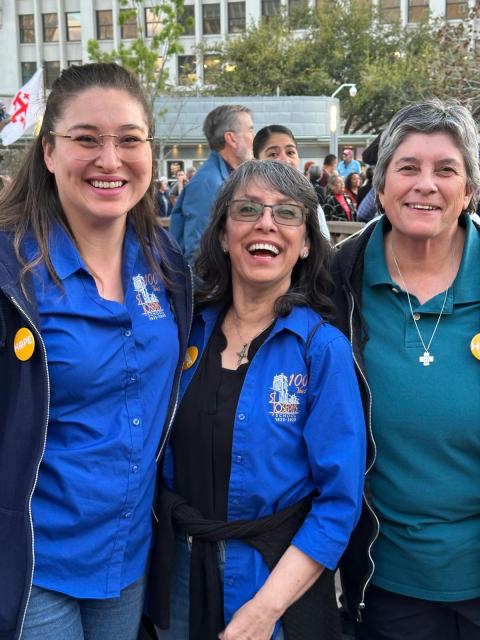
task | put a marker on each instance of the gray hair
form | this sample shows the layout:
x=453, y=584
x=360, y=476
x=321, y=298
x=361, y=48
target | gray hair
x=431, y=116
x=219, y=121
x=332, y=179
x=276, y=176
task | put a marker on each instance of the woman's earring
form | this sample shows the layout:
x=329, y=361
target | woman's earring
x=304, y=254
x=224, y=248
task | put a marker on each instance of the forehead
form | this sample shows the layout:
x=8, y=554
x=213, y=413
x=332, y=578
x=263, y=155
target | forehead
x=261, y=190
x=103, y=108
x=280, y=140
x=429, y=146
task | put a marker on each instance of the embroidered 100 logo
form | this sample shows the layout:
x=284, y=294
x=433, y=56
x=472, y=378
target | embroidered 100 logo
x=284, y=396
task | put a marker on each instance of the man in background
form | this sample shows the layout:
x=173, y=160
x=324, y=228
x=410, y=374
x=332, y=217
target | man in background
x=229, y=132
x=348, y=164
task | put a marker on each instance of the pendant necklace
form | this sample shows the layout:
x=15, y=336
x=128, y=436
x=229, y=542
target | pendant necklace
x=427, y=357
x=243, y=353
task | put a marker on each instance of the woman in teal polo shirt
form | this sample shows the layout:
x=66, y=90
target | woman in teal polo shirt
x=408, y=296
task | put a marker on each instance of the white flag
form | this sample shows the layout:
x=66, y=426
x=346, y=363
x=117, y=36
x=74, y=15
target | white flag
x=25, y=109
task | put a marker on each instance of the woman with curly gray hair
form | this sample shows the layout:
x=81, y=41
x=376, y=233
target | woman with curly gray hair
x=408, y=296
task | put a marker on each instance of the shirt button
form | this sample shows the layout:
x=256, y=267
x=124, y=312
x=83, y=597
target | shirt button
x=230, y=581
x=133, y=378
x=394, y=289
x=238, y=459
x=135, y=468
x=241, y=416
x=416, y=316
x=136, y=421
x=235, y=501
x=127, y=333
x=127, y=514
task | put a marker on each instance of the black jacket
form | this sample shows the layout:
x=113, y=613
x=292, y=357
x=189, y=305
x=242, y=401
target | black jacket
x=356, y=566
x=24, y=414
x=334, y=210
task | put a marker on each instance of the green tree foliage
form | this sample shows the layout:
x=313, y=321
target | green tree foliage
x=146, y=56
x=346, y=41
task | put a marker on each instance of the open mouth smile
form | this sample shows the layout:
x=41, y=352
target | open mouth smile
x=263, y=249
x=107, y=184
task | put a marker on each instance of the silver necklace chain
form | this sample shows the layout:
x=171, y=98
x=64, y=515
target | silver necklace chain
x=243, y=353
x=427, y=358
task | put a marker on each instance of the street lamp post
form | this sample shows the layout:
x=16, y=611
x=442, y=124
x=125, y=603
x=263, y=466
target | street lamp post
x=334, y=115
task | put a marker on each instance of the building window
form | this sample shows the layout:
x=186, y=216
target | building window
x=153, y=23
x=52, y=71
x=389, y=10
x=74, y=28
x=297, y=11
x=456, y=10
x=50, y=27
x=187, y=73
x=417, y=10
x=187, y=20
x=211, y=19
x=128, y=24
x=236, y=17
x=27, y=29
x=104, y=25
x=211, y=68
x=28, y=70
x=270, y=8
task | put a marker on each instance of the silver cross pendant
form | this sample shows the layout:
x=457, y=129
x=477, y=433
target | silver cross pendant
x=426, y=359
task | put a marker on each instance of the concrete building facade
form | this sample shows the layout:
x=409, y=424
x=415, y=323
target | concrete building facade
x=55, y=33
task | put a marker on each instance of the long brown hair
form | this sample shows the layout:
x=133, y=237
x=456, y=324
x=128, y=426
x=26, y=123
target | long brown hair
x=32, y=205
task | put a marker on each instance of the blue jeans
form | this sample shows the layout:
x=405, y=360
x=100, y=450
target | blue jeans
x=55, y=616
x=179, y=595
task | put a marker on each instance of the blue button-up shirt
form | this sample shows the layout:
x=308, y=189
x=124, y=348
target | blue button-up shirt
x=299, y=427
x=111, y=368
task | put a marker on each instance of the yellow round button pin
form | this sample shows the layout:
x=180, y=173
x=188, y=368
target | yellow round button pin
x=190, y=357
x=24, y=344
x=475, y=346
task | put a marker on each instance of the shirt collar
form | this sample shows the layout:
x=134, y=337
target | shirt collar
x=64, y=255
x=466, y=287
x=301, y=320
x=375, y=270
x=66, y=258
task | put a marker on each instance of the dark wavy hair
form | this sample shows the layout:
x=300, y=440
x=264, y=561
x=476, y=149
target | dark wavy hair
x=348, y=180
x=32, y=202
x=311, y=284
x=262, y=137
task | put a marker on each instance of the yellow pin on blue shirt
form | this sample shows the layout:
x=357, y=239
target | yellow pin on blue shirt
x=190, y=358
x=475, y=346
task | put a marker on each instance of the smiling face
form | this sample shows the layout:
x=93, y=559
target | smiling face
x=425, y=186
x=263, y=253
x=104, y=189
x=282, y=148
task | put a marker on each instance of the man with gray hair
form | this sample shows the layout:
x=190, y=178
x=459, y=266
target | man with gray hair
x=229, y=132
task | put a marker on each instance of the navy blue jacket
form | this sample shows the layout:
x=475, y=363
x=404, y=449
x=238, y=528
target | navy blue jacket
x=24, y=411
x=193, y=208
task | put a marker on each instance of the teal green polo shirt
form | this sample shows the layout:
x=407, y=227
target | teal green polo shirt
x=425, y=481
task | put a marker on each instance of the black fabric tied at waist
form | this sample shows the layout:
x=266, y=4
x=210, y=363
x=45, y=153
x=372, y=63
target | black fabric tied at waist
x=312, y=617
